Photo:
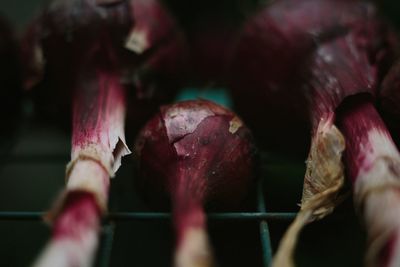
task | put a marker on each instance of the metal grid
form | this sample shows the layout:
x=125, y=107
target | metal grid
x=104, y=252
x=258, y=216
x=261, y=217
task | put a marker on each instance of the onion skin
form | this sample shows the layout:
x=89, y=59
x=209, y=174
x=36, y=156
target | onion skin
x=195, y=153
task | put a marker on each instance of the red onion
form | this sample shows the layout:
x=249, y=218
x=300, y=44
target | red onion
x=373, y=167
x=338, y=69
x=197, y=153
x=312, y=56
x=265, y=65
x=89, y=70
x=73, y=27
x=56, y=41
x=83, y=51
x=98, y=143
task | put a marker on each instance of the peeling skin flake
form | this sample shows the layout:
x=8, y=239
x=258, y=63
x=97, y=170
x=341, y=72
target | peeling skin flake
x=179, y=121
x=97, y=130
x=322, y=183
x=234, y=125
x=137, y=41
x=153, y=24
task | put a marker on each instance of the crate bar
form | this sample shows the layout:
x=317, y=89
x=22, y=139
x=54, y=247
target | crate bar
x=29, y=158
x=34, y=158
x=106, y=244
x=21, y=216
x=131, y=216
x=264, y=228
x=277, y=216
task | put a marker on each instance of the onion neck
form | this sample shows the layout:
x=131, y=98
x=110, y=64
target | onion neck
x=75, y=233
x=188, y=216
x=192, y=248
x=79, y=215
x=367, y=138
x=97, y=148
x=373, y=164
